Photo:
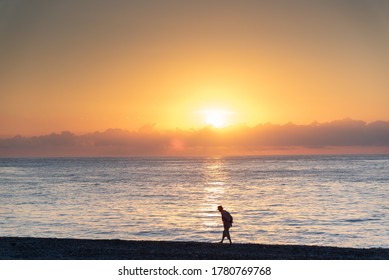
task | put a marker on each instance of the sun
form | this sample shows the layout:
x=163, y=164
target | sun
x=216, y=117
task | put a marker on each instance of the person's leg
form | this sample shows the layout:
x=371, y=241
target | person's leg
x=228, y=234
x=223, y=236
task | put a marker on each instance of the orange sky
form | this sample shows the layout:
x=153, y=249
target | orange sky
x=95, y=65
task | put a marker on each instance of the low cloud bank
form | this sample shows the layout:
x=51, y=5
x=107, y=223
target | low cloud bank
x=345, y=136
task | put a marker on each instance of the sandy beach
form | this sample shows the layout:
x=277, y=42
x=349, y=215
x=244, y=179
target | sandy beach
x=25, y=248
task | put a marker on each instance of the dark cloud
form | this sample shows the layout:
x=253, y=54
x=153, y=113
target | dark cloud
x=344, y=135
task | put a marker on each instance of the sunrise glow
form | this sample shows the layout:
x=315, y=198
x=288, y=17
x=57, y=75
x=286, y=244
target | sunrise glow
x=147, y=67
x=216, y=117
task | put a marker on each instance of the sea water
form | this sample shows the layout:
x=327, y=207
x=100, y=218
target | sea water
x=308, y=200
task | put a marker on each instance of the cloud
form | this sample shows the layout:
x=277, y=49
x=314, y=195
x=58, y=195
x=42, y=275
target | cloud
x=343, y=136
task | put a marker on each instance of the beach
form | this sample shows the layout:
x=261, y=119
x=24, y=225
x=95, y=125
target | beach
x=28, y=248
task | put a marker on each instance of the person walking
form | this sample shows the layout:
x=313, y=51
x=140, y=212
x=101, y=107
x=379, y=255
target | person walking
x=227, y=223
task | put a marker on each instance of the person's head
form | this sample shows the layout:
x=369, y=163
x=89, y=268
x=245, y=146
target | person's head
x=220, y=208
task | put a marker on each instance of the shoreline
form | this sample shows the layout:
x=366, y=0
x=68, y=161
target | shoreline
x=32, y=248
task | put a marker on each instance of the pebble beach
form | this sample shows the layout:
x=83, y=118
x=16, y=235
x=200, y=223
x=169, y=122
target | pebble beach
x=27, y=248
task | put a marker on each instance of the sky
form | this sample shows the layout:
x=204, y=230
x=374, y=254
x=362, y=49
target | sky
x=93, y=66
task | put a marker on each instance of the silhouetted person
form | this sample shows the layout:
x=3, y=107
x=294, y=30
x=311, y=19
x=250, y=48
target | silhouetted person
x=227, y=223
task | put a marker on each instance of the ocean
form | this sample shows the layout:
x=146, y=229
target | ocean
x=307, y=200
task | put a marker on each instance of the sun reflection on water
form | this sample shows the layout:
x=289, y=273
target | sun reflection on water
x=214, y=191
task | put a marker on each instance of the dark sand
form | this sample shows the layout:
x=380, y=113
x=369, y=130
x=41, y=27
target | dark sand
x=83, y=249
